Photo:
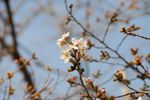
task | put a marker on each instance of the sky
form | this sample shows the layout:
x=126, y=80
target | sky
x=42, y=32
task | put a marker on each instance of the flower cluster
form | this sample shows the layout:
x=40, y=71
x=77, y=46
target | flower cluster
x=80, y=45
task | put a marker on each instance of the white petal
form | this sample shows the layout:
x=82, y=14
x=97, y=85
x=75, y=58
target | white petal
x=140, y=98
x=67, y=34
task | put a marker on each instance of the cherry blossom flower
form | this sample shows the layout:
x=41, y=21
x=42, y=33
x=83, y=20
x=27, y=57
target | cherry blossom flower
x=81, y=45
x=60, y=42
x=65, y=55
x=63, y=40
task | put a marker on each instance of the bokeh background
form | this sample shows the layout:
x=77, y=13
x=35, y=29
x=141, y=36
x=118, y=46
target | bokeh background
x=39, y=23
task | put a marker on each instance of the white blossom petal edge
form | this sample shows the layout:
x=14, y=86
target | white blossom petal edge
x=140, y=98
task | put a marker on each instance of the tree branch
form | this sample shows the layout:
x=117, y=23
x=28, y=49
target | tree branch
x=16, y=53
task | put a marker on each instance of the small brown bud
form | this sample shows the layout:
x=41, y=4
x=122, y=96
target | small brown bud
x=36, y=96
x=72, y=68
x=72, y=80
x=123, y=29
x=118, y=76
x=48, y=68
x=20, y=61
x=90, y=44
x=34, y=56
x=104, y=55
x=11, y=90
x=83, y=33
x=133, y=62
x=10, y=75
x=114, y=17
x=84, y=95
x=134, y=52
x=112, y=98
x=67, y=20
x=138, y=60
x=115, y=14
x=90, y=83
x=28, y=63
x=29, y=88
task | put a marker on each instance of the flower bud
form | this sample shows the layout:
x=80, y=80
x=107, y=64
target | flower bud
x=10, y=75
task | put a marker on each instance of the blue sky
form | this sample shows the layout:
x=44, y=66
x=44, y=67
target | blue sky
x=41, y=34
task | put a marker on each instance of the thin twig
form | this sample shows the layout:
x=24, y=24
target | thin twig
x=121, y=42
x=105, y=34
x=5, y=93
x=127, y=94
x=137, y=35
